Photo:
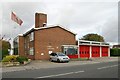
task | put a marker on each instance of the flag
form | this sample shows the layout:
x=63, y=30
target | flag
x=16, y=19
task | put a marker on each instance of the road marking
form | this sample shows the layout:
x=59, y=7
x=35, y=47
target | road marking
x=61, y=74
x=107, y=67
x=79, y=71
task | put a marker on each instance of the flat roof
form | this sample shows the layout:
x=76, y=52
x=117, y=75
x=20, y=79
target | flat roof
x=95, y=43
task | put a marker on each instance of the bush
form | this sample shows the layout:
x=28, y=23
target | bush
x=15, y=58
x=10, y=58
x=4, y=53
x=0, y=55
x=21, y=59
x=115, y=52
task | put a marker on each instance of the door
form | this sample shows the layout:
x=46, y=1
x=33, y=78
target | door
x=95, y=51
x=104, y=51
x=84, y=51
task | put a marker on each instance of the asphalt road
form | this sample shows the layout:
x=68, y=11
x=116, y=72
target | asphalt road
x=98, y=70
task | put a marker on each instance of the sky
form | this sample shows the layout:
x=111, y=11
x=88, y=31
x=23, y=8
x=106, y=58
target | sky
x=81, y=17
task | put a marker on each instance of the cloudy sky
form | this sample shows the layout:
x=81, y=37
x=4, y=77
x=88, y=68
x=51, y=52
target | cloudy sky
x=81, y=17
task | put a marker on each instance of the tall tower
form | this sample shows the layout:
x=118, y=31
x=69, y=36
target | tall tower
x=40, y=20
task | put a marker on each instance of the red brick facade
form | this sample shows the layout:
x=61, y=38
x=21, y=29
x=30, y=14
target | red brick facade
x=51, y=39
x=45, y=40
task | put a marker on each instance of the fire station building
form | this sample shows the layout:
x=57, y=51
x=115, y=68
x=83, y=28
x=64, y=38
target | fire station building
x=40, y=41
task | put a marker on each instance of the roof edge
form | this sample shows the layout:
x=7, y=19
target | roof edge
x=56, y=26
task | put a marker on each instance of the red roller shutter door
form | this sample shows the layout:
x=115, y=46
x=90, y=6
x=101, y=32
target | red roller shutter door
x=104, y=51
x=84, y=51
x=95, y=51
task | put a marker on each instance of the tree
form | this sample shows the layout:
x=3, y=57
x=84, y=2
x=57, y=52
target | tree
x=4, y=46
x=93, y=37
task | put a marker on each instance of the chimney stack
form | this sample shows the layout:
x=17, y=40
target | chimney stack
x=40, y=20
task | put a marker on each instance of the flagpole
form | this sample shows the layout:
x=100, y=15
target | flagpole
x=15, y=18
x=12, y=27
x=13, y=32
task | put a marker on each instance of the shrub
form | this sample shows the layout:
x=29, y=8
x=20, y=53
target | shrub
x=10, y=58
x=21, y=59
x=115, y=52
x=4, y=53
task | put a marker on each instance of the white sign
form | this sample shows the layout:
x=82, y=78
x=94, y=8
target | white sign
x=50, y=52
x=42, y=54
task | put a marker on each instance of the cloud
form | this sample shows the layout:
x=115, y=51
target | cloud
x=24, y=11
x=110, y=31
x=80, y=17
x=86, y=17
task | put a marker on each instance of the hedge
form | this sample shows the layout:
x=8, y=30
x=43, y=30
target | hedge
x=115, y=52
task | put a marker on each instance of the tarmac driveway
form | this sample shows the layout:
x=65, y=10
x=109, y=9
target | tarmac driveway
x=38, y=64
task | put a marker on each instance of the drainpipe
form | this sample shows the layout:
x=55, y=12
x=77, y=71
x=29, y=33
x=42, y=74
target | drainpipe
x=90, y=51
x=100, y=51
x=78, y=49
x=108, y=51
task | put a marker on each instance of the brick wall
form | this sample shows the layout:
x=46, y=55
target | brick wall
x=51, y=40
x=40, y=19
x=21, y=46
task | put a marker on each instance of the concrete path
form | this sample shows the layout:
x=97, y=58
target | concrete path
x=38, y=64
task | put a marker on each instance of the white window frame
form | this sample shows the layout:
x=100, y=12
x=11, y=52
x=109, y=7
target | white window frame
x=32, y=36
x=31, y=51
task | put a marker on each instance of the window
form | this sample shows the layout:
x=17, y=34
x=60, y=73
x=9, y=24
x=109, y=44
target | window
x=31, y=51
x=32, y=36
x=71, y=51
x=15, y=44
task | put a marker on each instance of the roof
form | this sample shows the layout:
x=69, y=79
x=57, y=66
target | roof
x=116, y=46
x=48, y=27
